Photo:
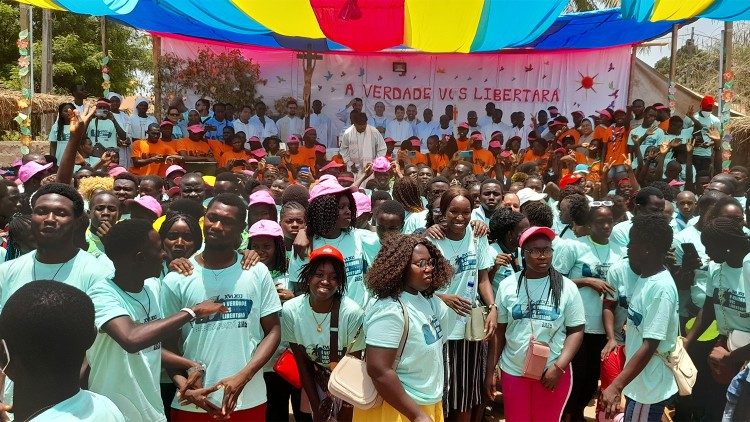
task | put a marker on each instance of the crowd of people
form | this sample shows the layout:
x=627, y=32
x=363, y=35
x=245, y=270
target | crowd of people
x=219, y=264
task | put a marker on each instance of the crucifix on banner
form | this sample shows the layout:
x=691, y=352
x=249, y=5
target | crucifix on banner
x=309, y=60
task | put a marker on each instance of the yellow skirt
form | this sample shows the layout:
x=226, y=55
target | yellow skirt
x=386, y=413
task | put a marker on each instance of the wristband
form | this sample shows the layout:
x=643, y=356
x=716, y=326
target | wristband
x=190, y=312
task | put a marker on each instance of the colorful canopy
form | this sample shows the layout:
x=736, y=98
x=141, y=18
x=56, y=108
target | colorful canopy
x=447, y=26
x=674, y=10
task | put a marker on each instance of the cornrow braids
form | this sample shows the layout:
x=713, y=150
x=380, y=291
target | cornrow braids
x=726, y=233
x=291, y=206
x=406, y=191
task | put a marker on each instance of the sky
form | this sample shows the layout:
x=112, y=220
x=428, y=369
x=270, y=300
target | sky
x=706, y=30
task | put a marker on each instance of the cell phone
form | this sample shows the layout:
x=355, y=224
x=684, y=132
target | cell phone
x=466, y=155
x=273, y=160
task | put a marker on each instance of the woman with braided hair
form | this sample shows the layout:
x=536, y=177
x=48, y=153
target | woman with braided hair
x=406, y=191
x=729, y=249
x=537, y=303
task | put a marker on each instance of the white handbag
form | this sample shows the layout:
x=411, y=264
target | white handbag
x=349, y=380
x=682, y=367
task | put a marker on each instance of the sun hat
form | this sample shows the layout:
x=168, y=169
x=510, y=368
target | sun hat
x=261, y=197
x=173, y=168
x=326, y=251
x=150, y=203
x=363, y=203
x=533, y=231
x=381, y=165
x=327, y=185
x=265, y=228
x=28, y=170
x=528, y=195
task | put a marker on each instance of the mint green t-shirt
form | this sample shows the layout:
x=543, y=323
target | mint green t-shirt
x=502, y=272
x=299, y=326
x=226, y=342
x=621, y=277
x=655, y=139
x=84, y=406
x=359, y=247
x=726, y=287
x=692, y=299
x=467, y=257
x=585, y=258
x=652, y=314
x=420, y=368
x=549, y=323
x=137, y=395
x=103, y=132
x=279, y=280
x=414, y=221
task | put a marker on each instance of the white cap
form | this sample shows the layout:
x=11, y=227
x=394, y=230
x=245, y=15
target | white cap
x=527, y=195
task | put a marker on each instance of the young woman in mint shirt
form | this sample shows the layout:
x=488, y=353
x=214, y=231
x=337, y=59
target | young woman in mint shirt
x=538, y=302
x=407, y=272
x=726, y=302
x=306, y=323
x=586, y=261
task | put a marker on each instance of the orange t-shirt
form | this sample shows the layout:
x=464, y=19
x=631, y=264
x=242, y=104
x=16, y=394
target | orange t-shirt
x=603, y=133
x=418, y=158
x=218, y=148
x=231, y=155
x=437, y=161
x=463, y=145
x=193, y=148
x=617, y=149
x=144, y=149
x=664, y=125
x=542, y=161
x=482, y=159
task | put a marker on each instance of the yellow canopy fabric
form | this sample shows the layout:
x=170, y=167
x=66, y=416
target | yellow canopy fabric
x=678, y=9
x=45, y=4
x=292, y=18
x=449, y=27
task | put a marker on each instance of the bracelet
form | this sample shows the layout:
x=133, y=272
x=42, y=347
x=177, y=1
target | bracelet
x=201, y=367
x=494, y=305
x=190, y=312
x=558, y=367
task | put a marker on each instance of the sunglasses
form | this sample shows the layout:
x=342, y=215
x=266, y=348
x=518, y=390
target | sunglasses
x=594, y=204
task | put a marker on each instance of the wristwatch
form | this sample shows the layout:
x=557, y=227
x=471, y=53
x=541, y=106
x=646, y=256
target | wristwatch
x=200, y=367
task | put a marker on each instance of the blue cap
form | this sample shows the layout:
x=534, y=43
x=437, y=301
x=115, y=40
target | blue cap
x=584, y=168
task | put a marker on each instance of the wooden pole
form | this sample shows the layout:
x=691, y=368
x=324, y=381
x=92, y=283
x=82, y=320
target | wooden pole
x=156, y=53
x=103, y=31
x=633, y=51
x=728, y=34
x=673, y=56
x=46, y=51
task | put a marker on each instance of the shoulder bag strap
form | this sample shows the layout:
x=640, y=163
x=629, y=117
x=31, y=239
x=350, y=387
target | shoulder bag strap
x=333, y=353
x=404, y=335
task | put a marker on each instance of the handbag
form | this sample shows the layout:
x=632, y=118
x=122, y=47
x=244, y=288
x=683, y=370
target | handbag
x=349, y=380
x=537, y=352
x=682, y=367
x=286, y=367
x=737, y=339
x=475, y=320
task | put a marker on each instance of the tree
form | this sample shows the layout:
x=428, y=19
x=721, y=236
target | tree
x=76, y=51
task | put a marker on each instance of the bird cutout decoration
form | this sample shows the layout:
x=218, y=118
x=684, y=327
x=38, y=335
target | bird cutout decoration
x=611, y=67
x=611, y=105
x=514, y=78
x=380, y=78
x=456, y=77
x=528, y=68
x=320, y=87
x=576, y=105
x=280, y=80
x=485, y=79
x=469, y=78
x=361, y=72
x=480, y=68
x=328, y=75
x=440, y=70
x=615, y=94
x=501, y=69
x=415, y=77
x=611, y=85
x=343, y=74
x=333, y=89
x=546, y=63
x=544, y=77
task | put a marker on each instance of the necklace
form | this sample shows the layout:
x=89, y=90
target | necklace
x=319, y=324
x=33, y=270
x=148, y=312
x=214, y=272
x=593, y=248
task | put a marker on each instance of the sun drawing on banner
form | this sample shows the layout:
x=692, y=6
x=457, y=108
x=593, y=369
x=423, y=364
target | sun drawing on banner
x=587, y=82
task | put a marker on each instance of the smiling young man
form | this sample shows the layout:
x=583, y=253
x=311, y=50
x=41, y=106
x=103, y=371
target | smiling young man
x=233, y=346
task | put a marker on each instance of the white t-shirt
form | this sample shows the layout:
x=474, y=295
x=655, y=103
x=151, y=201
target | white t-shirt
x=137, y=395
x=224, y=342
x=85, y=406
x=399, y=131
x=267, y=129
x=414, y=221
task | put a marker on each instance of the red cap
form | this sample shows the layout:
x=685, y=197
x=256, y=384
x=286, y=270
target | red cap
x=463, y=125
x=567, y=180
x=707, y=103
x=326, y=251
x=389, y=141
x=533, y=231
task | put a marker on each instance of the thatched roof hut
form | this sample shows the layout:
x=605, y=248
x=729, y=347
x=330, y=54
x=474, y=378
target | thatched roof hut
x=740, y=129
x=41, y=105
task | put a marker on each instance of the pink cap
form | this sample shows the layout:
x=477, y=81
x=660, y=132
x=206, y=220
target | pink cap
x=116, y=171
x=463, y=125
x=605, y=112
x=254, y=139
x=308, y=130
x=496, y=134
x=259, y=153
x=676, y=183
x=331, y=165
x=261, y=197
x=17, y=163
x=166, y=123
x=266, y=228
x=173, y=168
x=477, y=137
x=195, y=128
x=327, y=185
x=416, y=142
x=661, y=107
x=495, y=144
x=249, y=172
x=381, y=165
x=320, y=148
x=252, y=161
x=150, y=203
x=389, y=140
x=363, y=203
x=533, y=231
x=293, y=139
x=28, y=170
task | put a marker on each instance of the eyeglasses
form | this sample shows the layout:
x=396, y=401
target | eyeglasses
x=594, y=204
x=539, y=253
x=424, y=263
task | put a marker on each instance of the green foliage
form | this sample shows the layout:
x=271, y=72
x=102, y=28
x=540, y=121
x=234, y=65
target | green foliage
x=76, y=51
